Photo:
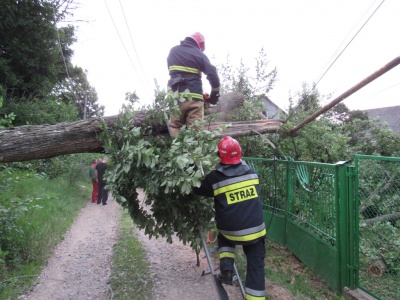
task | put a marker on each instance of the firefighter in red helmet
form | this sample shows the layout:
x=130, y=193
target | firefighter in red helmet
x=238, y=215
x=186, y=63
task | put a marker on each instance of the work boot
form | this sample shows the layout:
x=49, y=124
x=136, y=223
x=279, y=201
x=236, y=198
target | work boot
x=226, y=277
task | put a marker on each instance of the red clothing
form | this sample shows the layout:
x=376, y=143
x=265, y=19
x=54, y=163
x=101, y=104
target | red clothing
x=94, y=183
x=94, y=190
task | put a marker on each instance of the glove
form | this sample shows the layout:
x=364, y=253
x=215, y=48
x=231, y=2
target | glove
x=206, y=97
x=214, y=97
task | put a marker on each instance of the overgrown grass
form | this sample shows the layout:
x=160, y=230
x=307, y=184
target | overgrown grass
x=130, y=270
x=41, y=229
x=284, y=270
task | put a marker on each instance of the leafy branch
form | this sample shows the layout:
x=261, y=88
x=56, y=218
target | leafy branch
x=165, y=169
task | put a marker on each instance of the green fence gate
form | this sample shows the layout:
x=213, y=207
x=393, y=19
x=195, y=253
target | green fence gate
x=308, y=208
x=341, y=220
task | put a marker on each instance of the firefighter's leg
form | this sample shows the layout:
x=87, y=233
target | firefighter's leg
x=176, y=122
x=194, y=112
x=255, y=278
x=226, y=251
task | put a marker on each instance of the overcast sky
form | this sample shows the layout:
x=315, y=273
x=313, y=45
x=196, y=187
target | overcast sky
x=124, y=44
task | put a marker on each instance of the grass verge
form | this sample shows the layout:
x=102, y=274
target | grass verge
x=40, y=230
x=130, y=270
x=286, y=271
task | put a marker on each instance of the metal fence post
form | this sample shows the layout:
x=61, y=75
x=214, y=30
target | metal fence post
x=342, y=223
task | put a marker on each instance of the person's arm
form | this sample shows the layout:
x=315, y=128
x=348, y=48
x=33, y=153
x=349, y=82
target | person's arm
x=205, y=188
x=211, y=73
x=213, y=79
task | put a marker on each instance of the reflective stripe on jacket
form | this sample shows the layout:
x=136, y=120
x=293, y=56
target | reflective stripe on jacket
x=238, y=209
x=188, y=61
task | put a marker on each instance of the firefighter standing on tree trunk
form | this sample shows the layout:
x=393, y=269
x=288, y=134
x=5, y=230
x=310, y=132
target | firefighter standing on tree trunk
x=186, y=62
x=238, y=215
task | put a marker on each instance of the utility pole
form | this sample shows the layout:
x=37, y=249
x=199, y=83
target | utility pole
x=85, y=106
x=343, y=96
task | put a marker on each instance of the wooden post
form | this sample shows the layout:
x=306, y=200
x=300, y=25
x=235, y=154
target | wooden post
x=346, y=94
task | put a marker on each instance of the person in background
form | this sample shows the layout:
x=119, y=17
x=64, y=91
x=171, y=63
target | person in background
x=93, y=178
x=186, y=63
x=101, y=168
x=238, y=215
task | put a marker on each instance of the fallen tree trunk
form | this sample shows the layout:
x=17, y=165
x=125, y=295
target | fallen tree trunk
x=31, y=142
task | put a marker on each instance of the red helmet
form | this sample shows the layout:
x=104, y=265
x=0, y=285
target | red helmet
x=229, y=151
x=199, y=39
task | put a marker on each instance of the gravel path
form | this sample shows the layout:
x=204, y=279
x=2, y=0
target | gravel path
x=80, y=267
x=81, y=264
x=175, y=271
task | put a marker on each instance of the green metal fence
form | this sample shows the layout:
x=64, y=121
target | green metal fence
x=341, y=220
x=307, y=209
x=378, y=246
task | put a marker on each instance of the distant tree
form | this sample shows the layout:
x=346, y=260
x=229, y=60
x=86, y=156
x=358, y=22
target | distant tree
x=253, y=83
x=76, y=90
x=6, y=119
x=338, y=114
x=370, y=137
x=35, y=64
x=32, y=48
x=320, y=140
x=337, y=135
x=249, y=82
x=44, y=111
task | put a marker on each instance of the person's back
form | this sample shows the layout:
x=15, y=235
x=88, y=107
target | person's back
x=92, y=170
x=237, y=198
x=101, y=168
x=93, y=178
x=186, y=62
x=234, y=185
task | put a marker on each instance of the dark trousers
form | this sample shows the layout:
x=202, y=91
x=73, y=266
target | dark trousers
x=103, y=193
x=255, y=255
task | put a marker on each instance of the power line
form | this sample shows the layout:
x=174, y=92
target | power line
x=120, y=38
x=388, y=88
x=347, y=35
x=63, y=57
x=59, y=43
x=315, y=84
x=133, y=44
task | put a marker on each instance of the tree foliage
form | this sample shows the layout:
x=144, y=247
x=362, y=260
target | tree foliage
x=31, y=60
x=249, y=82
x=166, y=169
x=35, y=61
x=47, y=110
x=337, y=135
x=76, y=90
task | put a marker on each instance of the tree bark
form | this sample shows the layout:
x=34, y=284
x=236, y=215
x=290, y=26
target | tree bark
x=385, y=218
x=31, y=142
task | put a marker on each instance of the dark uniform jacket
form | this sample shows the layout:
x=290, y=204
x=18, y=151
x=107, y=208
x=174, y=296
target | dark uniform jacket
x=238, y=209
x=186, y=62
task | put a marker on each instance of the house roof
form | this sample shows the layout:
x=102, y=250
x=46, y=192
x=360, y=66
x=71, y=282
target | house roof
x=271, y=110
x=390, y=115
x=266, y=98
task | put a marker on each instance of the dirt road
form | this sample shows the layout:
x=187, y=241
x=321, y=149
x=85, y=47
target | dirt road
x=80, y=267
